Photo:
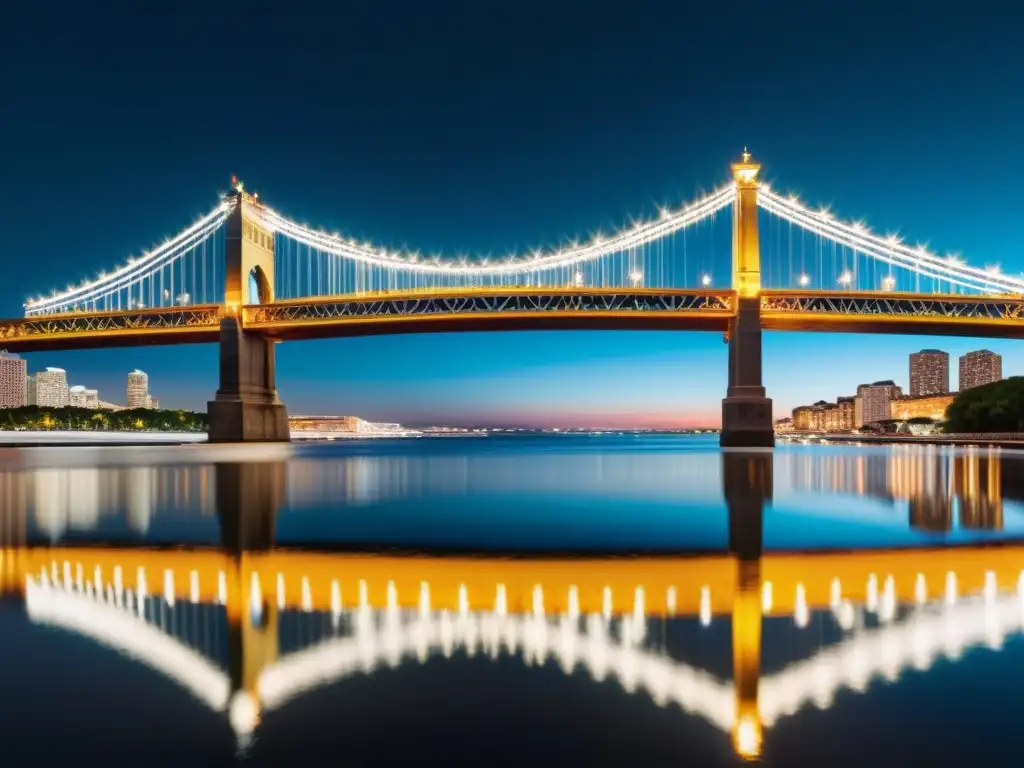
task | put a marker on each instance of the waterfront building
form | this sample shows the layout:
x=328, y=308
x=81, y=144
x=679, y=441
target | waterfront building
x=876, y=399
x=831, y=417
x=980, y=367
x=328, y=424
x=12, y=380
x=929, y=372
x=52, y=388
x=784, y=425
x=138, y=389
x=818, y=416
x=926, y=406
x=847, y=413
x=802, y=418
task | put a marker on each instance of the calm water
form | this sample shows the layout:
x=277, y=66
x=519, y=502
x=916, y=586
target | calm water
x=566, y=600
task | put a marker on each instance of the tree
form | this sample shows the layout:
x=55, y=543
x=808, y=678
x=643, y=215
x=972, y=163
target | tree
x=995, y=407
x=33, y=417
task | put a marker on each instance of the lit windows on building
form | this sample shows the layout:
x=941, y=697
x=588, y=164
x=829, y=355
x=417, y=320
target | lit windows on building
x=979, y=368
x=929, y=372
x=12, y=380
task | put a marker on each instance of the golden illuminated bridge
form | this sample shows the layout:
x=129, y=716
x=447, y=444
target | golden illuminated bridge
x=247, y=276
x=894, y=610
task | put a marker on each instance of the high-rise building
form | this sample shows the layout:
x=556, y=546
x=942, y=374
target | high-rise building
x=80, y=397
x=980, y=367
x=154, y=404
x=929, y=372
x=138, y=389
x=52, y=388
x=875, y=399
x=76, y=397
x=12, y=380
x=30, y=391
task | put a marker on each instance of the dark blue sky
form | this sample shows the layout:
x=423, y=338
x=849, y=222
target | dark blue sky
x=485, y=127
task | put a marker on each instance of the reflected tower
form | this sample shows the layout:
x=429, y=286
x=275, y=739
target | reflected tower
x=747, y=486
x=248, y=497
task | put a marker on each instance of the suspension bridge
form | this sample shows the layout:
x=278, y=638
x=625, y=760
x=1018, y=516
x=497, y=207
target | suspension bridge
x=247, y=276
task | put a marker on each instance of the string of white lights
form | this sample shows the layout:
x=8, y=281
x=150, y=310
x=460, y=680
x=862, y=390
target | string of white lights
x=634, y=237
x=866, y=248
x=889, y=249
x=136, y=269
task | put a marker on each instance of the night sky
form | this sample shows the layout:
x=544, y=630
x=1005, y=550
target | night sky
x=484, y=127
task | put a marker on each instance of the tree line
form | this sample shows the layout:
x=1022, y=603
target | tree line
x=43, y=418
x=995, y=407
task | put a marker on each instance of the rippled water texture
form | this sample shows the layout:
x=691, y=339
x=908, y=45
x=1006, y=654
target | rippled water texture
x=569, y=600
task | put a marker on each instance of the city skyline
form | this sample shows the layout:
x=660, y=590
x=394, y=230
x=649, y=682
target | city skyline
x=495, y=162
x=928, y=395
x=51, y=388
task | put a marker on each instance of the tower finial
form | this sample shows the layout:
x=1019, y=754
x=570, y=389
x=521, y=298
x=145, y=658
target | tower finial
x=746, y=155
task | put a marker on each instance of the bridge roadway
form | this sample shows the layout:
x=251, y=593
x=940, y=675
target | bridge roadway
x=706, y=584
x=518, y=308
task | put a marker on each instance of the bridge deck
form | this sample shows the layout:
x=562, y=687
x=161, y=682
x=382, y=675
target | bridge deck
x=504, y=308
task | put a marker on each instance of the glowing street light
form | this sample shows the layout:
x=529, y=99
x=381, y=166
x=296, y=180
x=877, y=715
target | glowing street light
x=888, y=282
x=705, y=280
x=804, y=279
x=845, y=279
x=636, y=277
x=578, y=279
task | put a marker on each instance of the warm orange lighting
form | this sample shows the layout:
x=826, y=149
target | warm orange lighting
x=747, y=738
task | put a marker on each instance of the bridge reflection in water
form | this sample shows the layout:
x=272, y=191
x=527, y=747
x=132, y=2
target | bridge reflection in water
x=223, y=622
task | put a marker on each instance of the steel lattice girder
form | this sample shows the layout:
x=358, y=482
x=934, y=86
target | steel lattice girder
x=84, y=324
x=889, y=306
x=488, y=304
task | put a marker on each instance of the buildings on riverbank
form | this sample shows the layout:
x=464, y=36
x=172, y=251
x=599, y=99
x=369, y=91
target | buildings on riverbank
x=50, y=388
x=884, y=401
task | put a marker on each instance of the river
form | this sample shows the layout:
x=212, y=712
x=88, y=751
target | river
x=506, y=600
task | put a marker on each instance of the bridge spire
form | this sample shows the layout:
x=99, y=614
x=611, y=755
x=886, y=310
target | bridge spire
x=746, y=255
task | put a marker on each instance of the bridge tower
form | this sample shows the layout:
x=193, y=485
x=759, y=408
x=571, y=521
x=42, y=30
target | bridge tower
x=246, y=407
x=746, y=412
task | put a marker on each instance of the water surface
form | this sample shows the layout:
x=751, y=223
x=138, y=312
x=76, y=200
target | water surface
x=614, y=599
